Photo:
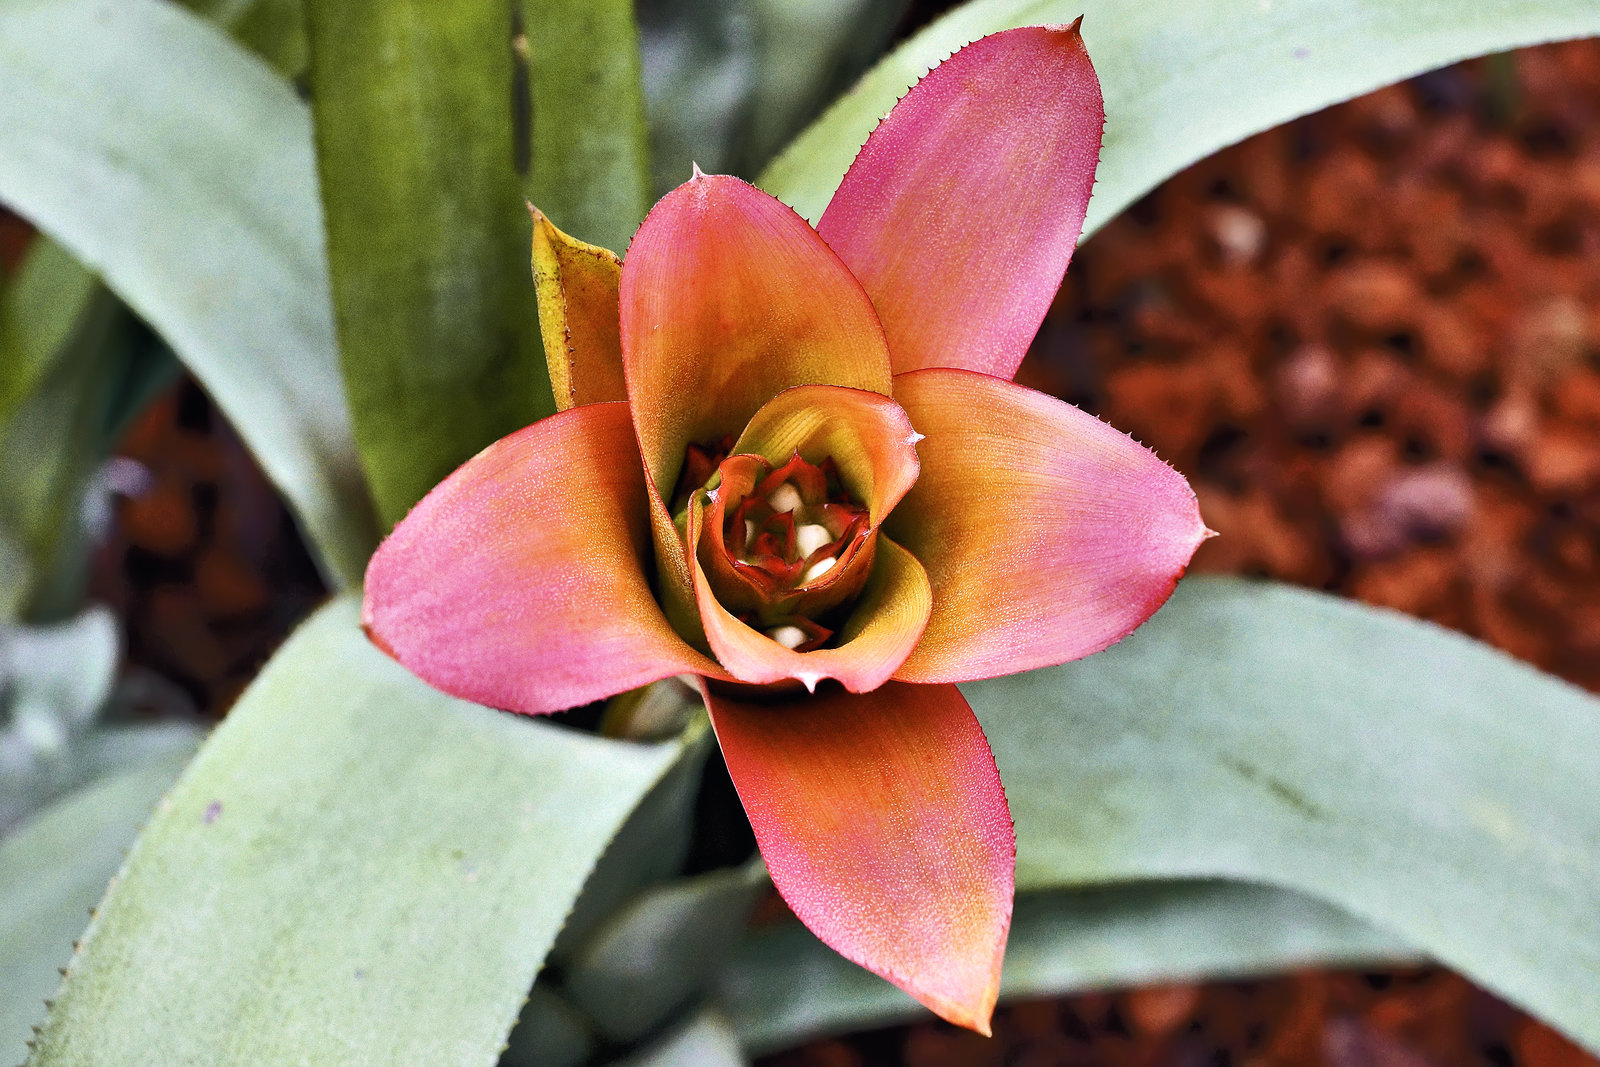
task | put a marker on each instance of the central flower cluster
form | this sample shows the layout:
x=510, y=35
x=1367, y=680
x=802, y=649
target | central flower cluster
x=786, y=549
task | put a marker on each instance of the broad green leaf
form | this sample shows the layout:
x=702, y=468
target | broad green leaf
x=39, y=312
x=729, y=84
x=656, y=953
x=1183, y=80
x=49, y=395
x=77, y=356
x=590, y=167
x=428, y=236
x=649, y=848
x=97, y=367
x=16, y=572
x=53, y=869
x=275, y=30
x=550, y=1032
x=784, y=986
x=1413, y=778
x=707, y=1040
x=354, y=869
x=179, y=168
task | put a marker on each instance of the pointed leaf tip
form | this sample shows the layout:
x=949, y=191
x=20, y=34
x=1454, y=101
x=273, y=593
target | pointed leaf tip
x=576, y=287
x=962, y=209
x=883, y=823
x=1067, y=588
x=464, y=592
x=727, y=299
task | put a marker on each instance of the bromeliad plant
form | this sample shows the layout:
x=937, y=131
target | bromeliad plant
x=810, y=441
x=788, y=462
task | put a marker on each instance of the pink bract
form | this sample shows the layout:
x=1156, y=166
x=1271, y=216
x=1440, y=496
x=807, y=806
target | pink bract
x=1005, y=530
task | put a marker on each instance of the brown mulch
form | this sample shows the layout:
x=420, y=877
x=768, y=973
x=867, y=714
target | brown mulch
x=205, y=567
x=1371, y=339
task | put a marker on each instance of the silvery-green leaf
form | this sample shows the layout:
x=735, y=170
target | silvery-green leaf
x=652, y=955
x=67, y=667
x=354, y=869
x=53, y=868
x=704, y=1041
x=1412, y=777
x=179, y=168
x=783, y=986
x=550, y=1032
x=649, y=848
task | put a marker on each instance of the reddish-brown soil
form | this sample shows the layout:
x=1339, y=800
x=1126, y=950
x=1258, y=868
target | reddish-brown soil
x=205, y=567
x=1371, y=339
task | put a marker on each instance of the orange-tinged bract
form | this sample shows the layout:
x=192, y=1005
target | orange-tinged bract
x=824, y=496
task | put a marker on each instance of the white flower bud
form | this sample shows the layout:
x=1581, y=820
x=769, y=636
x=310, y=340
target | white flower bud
x=790, y=637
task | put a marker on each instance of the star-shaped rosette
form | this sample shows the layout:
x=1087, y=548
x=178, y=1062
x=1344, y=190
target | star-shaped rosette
x=792, y=462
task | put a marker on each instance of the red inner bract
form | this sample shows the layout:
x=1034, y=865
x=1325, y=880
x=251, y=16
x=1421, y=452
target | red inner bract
x=786, y=548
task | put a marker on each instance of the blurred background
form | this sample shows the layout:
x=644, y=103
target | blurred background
x=1370, y=338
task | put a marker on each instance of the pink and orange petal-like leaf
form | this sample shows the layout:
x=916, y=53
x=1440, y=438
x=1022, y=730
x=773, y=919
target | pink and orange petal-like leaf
x=1047, y=534
x=963, y=208
x=576, y=286
x=727, y=299
x=518, y=582
x=865, y=433
x=673, y=578
x=884, y=825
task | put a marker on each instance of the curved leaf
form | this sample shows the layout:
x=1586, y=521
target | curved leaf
x=77, y=364
x=1412, y=777
x=53, y=869
x=590, y=165
x=707, y=1040
x=550, y=1032
x=427, y=234
x=1183, y=80
x=649, y=848
x=273, y=29
x=659, y=950
x=39, y=312
x=355, y=869
x=54, y=322
x=179, y=168
x=784, y=986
